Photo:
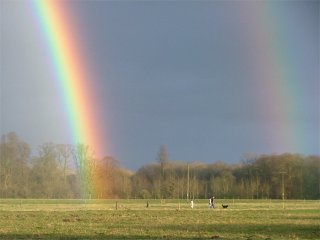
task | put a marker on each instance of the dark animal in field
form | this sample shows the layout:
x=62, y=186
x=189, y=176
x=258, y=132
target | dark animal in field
x=225, y=206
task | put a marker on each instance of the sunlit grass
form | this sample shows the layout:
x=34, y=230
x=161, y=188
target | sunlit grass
x=169, y=219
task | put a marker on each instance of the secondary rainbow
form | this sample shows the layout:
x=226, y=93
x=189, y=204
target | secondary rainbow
x=278, y=82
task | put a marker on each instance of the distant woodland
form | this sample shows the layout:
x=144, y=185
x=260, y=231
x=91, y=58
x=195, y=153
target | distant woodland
x=65, y=171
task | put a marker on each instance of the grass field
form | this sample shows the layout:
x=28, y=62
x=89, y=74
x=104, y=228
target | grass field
x=169, y=219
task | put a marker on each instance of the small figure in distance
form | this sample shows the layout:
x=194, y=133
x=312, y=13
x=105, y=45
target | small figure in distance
x=224, y=206
x=212, y=202
x=192, y=204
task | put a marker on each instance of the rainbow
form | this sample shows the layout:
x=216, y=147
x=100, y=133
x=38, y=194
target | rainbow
x=73, y=81
x=72, y=75
x=277, y=84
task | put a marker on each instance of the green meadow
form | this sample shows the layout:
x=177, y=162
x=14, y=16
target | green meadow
x=166, y=219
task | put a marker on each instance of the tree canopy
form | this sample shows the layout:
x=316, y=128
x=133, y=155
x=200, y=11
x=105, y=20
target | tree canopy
x=65, y=171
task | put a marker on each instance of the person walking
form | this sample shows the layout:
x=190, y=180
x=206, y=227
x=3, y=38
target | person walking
x=212, y=202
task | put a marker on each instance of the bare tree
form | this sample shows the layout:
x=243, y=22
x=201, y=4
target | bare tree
x=86, y=165
x=64, y=152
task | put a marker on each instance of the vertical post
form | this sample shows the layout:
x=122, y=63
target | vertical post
x=282, y=186
x=283, y=190
x=282, y=180
x=188, y=183
x=257, y=187
x=206, y=190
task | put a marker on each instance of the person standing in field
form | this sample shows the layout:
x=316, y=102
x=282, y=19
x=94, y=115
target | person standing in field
x=191, y=203
x=212, y=202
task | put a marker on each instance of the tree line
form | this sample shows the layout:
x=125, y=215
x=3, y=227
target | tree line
x=66, y=171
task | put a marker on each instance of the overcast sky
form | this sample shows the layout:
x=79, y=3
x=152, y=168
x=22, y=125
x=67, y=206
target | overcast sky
x=189, y=75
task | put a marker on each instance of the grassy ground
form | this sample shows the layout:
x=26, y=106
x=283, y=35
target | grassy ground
x=170, y=219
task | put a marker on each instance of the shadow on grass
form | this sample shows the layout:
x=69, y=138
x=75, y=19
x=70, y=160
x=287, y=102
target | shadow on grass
x=91, y=237
x=194, y=231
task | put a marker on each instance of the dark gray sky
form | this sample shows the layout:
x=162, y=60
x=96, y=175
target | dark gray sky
x=211, y=80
